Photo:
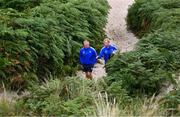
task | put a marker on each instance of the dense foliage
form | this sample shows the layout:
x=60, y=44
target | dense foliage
x=147, y=16
x=156, y=58
x=56, y=97
x=43, y=37
x=71, y=96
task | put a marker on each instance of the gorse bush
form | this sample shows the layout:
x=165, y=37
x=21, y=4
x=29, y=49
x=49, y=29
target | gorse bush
x=42, y=37
x=156, y=56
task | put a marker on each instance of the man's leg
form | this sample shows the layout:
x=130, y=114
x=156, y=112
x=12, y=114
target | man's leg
x=90, y=75
x=87, y=75
x=90, y=71
x=86, y=71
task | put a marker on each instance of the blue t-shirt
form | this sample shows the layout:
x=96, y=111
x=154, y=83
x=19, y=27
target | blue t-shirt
x=88, y=56
x=106, y=52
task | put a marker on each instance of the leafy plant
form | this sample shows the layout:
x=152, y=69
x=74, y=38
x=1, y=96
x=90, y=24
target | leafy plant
x=69, y=96
x=156, y=56
x=43, y=37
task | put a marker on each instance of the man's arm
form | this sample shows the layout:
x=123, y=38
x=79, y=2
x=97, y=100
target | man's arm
x=101, y=53
x=94, y=55
x=115, y=49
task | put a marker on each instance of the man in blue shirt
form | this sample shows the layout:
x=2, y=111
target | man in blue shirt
x=87, y=58
x=107, y=51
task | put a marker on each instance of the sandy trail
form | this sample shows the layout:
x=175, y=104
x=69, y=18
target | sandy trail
x=117, y=30
x=116, y=27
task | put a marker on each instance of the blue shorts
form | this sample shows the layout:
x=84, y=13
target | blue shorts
x=88, y=68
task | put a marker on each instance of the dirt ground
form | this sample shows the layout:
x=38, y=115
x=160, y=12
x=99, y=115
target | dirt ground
x=117, y=31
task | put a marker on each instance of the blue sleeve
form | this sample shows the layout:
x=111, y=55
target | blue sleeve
x=101, y=53
x=114, y=47
x=94, y=56
x=81, y=57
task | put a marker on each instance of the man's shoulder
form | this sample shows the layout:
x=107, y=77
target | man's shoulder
x=82, y=49
x=113, y=46
x=103, y=48
x=92, y=48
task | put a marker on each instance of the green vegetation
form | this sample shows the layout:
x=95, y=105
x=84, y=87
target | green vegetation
x=73, y=96
x=156, y=59
x=43, y=37
x=146, y=16
x=40, y=40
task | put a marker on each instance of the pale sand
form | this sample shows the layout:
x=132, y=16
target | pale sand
x=116, y=27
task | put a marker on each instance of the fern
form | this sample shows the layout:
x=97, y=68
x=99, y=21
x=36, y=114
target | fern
x=156, y=56
x=45, y=36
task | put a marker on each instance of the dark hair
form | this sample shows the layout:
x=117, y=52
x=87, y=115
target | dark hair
x=85, y=41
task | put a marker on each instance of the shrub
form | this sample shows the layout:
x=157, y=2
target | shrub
x=42, y=37
x=76, y=97
x=19, y=4
x=69, y=96
x=156, y=56
x=149, y=15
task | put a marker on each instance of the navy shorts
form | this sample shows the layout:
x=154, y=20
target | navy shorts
x=88, y=68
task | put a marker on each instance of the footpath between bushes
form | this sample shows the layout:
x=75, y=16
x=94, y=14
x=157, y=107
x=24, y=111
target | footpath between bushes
x=116, y=29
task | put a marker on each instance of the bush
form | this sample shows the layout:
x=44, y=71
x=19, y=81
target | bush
x=41, y=37
x=156, y=56
x=72, y=96
x=19, y=4
x=61, y=97
x=149, y=15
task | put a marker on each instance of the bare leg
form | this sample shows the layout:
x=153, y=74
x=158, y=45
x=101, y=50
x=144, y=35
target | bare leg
x=90, y=75
x=87, y=75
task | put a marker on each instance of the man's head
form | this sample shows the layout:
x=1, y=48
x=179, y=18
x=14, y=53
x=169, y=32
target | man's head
x=106, y=42
x=86, y=44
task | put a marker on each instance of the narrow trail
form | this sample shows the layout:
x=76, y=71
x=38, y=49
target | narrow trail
x=116, y=29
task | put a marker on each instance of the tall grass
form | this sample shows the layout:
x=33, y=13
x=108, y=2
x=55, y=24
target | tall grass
x=76, y=97
x=138, y=107
x=8, y=105
x=104, y=107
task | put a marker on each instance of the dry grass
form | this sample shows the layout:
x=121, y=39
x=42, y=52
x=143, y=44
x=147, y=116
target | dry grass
x=151, y=107
x=6, y=105
x=105, y=108
x=139, y=107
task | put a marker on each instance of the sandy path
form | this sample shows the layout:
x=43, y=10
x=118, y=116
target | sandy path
x=116, y=29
